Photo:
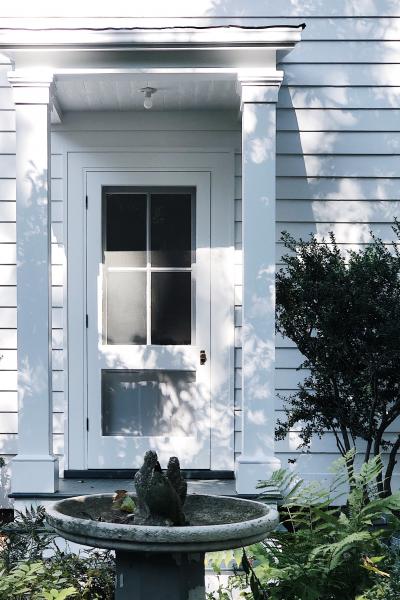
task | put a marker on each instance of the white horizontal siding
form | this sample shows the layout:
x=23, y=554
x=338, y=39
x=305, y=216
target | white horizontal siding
x=337, y=165
x=338, y=159
x=341, y=74
x=343, y=211
x=339, y=97
x=338, y=119
x=336, y=188
x=342, y=142
x=342, y=52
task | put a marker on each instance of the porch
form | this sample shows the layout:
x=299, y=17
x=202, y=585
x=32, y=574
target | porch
x=81, y=487
x=62, y=85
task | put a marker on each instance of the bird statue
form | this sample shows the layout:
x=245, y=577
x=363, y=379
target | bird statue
x=159, y=502
x=175, y=477
x=163, y=501
x=142, y=481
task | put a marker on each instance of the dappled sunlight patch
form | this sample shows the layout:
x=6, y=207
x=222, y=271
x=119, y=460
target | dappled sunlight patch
x=322, y=141
x=354, y=211
x=294, y=441
x=345, y=232
x=32, y=379
x=260, y=356
x=264, y=443
x=261, y=150
x=249, y=124
x=256, y=417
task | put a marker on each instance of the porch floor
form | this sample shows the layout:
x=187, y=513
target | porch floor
x=81, y=487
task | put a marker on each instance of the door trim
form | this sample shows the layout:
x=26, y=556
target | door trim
x=220, y=165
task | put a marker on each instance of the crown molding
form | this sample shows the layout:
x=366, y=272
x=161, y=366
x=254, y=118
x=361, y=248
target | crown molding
x=257, y=86
x=33, y=87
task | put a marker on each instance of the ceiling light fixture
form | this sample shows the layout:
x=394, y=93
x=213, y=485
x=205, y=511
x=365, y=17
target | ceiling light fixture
x=148, y=100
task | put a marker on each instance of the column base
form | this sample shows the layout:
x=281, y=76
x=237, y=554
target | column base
x=249, y=471
x=151, y=575
x=34, y=474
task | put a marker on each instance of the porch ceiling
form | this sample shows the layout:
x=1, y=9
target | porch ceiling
x=112, y=91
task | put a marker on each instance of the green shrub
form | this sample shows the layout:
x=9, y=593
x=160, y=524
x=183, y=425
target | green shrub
x=37, y=581
x=388, y=588
x=325, y=552
x=32, y=566
x=342, y=310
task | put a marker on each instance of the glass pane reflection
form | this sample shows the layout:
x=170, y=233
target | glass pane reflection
x=171, y=230
x=125, y=229
x=125, y=307
x=148, y=403
x=171, y=308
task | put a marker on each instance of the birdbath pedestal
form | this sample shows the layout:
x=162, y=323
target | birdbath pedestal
x=157, y=562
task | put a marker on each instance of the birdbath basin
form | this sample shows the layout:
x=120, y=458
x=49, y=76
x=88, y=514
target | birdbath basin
x=158, y=562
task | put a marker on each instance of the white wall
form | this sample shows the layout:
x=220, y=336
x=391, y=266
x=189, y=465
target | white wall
x=338, y=161
x=338, y=147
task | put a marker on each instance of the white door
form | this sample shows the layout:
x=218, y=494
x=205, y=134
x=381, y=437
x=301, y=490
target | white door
x=148, y=317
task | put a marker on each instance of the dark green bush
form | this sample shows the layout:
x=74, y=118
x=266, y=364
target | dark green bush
x=342, y=310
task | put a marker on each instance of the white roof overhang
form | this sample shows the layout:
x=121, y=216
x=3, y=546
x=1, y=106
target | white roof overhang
x=215, y=52
x=86, y=47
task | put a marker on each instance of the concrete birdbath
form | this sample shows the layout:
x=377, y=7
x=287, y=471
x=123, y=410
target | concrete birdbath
x=159, y=548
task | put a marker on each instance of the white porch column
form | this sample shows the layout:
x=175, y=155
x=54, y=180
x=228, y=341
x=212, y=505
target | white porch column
x=259, y=94
x=34, y=469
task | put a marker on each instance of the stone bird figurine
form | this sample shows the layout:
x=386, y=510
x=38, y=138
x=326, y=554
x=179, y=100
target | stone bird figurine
x=158, y=501
x=163, y=501
x=175, y=477
x=142, y=481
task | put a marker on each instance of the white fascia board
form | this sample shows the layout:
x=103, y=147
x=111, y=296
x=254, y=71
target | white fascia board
x=72, y=60
x=80, y=50
x=28, y=35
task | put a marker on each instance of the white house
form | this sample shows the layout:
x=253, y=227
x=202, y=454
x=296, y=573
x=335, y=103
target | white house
x=148, y=164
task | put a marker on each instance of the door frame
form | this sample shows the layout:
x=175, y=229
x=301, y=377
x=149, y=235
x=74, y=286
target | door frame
x=103, y=448
x=220, y=166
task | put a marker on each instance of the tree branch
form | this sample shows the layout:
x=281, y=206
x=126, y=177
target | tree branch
x=391, y=465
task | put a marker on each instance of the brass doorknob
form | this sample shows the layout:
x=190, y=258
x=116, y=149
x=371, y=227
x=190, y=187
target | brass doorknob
x=203, y=357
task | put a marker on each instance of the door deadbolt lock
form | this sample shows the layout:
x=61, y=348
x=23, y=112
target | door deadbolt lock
x=203, y=357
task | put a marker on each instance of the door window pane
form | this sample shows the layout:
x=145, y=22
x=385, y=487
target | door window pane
x=171, y=308
x=171, y=230
x=148, y=251
x=125, y=307
x=148, y=403
x=125, y=229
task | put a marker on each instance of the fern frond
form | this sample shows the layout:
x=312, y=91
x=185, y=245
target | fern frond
x=282, y=480
x=336, y=552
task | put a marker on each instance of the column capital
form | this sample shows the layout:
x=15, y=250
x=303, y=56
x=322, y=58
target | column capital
x=259, y=86
x=31, y=87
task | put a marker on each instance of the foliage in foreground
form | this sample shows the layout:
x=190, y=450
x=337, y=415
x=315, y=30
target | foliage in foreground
x=33, y=567
x=342, y=310
x=325, y=552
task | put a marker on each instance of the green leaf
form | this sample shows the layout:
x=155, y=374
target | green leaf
x=128, y=505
